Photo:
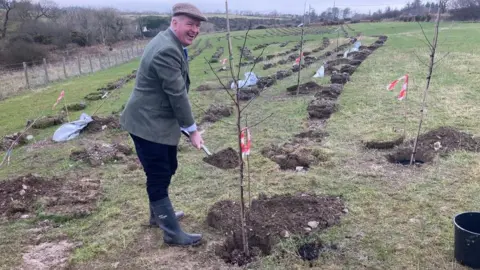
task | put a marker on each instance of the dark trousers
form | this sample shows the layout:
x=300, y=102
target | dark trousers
x=159, y=162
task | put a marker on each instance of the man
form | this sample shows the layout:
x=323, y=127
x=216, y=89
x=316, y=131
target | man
x=158, y=109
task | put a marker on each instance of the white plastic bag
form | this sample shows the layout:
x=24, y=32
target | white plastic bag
x=320, y=72
x=250, y=79
x=71, y=130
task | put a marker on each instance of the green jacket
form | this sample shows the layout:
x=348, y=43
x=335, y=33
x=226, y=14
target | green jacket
x=159, y=105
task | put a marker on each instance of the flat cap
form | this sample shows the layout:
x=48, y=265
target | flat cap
x=188, y=10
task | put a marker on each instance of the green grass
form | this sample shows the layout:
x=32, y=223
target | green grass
x=399, y=218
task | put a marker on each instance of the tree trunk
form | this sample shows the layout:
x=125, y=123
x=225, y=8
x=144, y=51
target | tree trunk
x=5, y=22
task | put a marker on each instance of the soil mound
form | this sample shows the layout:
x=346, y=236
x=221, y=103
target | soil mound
x=269, y=219
x=332, y=91
x=439, y=141
x=312, y=134
x=248, y=93
x=55, y=196
x=225, y=159
x=100, y=123
x=321, y=108
x=293, y=155
x=48, y=121
x=98, y=154
x=217, y=111
x=385, y=144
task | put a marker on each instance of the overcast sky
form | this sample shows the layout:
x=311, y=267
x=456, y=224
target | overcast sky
x=283, y=6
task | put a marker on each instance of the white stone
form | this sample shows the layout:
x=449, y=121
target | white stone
x=313, y=224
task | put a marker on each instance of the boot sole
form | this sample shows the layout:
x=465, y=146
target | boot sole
x=196, y=244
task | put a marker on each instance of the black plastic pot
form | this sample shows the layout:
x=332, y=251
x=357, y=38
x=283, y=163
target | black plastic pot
x=467, y=239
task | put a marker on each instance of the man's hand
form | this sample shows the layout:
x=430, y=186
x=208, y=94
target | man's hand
x=196, y=139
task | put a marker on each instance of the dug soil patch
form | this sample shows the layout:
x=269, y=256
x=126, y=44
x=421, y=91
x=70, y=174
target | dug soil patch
x=248, y=93
x=225, y=159
x=305, y=88
x=48, y=121
x=293, y=155
x=270, y=219
x=8, y=140
x=440, y=141
x=98, y=154
x=100, y=123
x=55, y=196
x=217, y=111
x=48, y=256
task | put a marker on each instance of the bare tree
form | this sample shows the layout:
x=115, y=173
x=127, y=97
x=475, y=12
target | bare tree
x=346, y=12
x=433, y=49
x=8, y=6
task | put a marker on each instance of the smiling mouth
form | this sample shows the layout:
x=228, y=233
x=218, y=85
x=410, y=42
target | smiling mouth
x=191, y=36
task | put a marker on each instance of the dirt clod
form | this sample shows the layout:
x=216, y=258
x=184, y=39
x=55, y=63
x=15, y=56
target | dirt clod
x=340, y=78
x=56, y=196
x=312, y=134
x=440, y=141
x=217, y=111
x=225, y=159
x=203, y=87
x=268, y=218
x=348, y=69
x=332, y=91
x=265, y=82
x=281, y=74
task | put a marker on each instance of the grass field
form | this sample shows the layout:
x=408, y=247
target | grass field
x=399, y=217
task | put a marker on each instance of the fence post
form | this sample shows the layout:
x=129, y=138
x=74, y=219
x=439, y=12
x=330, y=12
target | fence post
x=109, y=62
x=123, y=57
x=64, y=68
x=79, y=65
x=116, y=59
x=100, y=62
x=133, y=53
x=26, y=74
x=91, y=66
x=128, y=55
x=46, y=70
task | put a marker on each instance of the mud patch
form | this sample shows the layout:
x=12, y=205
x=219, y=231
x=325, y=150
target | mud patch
x=293, y=155
x=98, y=154
x=101, y=123
x=269, y=219
x=48, y=256
x=225, y=159
x=217, y=111
x=385, y=144
x=338, y=78
x=305, y=88
x=440, y=141
x=55, y=196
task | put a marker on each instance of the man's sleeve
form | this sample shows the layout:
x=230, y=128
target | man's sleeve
x=167, y=65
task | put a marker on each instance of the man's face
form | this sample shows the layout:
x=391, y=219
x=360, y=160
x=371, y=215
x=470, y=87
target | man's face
x=186, y=29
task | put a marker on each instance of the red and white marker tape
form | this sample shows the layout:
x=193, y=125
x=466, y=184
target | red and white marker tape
x=246, y=143
x=403, y=91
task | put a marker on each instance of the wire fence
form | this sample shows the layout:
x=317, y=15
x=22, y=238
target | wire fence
x=30, y=75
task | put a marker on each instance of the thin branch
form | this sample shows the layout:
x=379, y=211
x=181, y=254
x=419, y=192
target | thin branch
x=220, y=80
x=445, y=56
x=425, y=35
x=241, y=53
x=261, y=121
x=419, y=59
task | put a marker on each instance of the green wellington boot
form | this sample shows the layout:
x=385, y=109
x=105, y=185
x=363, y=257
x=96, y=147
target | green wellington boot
x=153, y=223
x=167, y=221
